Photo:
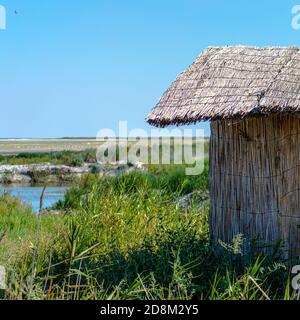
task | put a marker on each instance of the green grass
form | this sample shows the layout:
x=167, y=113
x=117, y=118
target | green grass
x=70, y=158
x=127, y=238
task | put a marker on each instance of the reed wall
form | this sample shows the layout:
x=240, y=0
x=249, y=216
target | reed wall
x=255, y=180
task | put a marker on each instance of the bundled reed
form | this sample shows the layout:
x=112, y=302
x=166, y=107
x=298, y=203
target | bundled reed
x=255, y=181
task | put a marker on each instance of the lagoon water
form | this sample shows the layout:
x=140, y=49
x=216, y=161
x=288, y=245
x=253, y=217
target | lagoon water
x=31, y=195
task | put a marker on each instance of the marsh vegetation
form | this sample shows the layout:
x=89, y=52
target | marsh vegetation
x=129, y=237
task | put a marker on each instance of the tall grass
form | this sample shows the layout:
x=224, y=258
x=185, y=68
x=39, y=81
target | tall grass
x=127, y=237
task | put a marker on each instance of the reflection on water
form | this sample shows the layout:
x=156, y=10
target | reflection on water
x=31, y=195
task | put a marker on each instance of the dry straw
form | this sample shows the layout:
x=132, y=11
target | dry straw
x=232, y=82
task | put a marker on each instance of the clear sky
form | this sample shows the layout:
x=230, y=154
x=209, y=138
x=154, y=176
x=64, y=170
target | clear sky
x=71, y=68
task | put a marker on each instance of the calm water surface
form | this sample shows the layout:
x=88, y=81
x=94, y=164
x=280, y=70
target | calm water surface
x=31, y=195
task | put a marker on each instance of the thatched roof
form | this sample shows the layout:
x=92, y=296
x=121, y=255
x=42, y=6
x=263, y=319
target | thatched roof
x=232, y=82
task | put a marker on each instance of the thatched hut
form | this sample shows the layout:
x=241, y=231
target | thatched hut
x=252, y=98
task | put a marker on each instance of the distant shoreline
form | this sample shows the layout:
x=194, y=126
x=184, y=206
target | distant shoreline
x=76, y=138
x=20, y=146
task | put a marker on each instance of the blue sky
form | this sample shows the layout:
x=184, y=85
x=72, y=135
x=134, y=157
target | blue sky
x=71, y=68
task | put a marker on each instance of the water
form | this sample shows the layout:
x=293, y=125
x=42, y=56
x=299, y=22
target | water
x=31, y=195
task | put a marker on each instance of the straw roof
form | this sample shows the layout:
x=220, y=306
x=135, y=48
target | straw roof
x=232, y=82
